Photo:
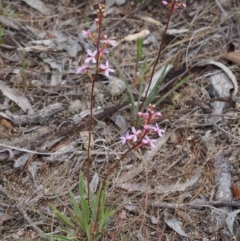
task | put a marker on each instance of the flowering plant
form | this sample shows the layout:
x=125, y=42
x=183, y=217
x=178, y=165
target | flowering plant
x=141, y=136
x=102, y=43
x=137, y=138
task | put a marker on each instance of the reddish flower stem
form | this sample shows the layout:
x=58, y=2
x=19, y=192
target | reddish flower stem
x=159, y=52
x=89, y=161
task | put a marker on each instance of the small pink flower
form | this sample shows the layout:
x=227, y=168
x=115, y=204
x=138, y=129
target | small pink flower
x=144, y=115
x=82, y=69
x=97, y=20
x=106, y=68
x=148, y=141
x=135, y=134
x=109, y=41
x=176, y=5
x=126, y=138
x=158, y=130
x=147, y=127
x=103, y=51
x=91, y=56
x=184, y=5
x=158, y=114
x=88, y=33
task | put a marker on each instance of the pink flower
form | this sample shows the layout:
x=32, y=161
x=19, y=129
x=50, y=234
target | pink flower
x=184, y=5
x=135, y=134
x=106, y=68
x=88, y=33
x=176, y=5
x=91, y=56
x=82, y=69
x=158, y=130
x=144, y=115
x=109, y=41
x=158, y=114
x=103, y=51
x=165, y=3
x=126, y=138
x=147, y=127
x=148, y=141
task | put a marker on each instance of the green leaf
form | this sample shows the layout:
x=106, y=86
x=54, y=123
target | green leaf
x=77, y=212
x=105, y=216
x=139, y=49
x=97, y=236
x=62, y=217
x=81, y=186
x=173, y=89
x=156, y=89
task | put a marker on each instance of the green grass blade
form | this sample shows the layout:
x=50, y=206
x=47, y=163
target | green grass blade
x=139, y=49
x=77, y=212
x=81, y=187
x=183, y=81
x=106, y=215
x=156, y=89
x=62, y=217
x=84, y=206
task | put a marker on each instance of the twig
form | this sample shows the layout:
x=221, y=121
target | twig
x=233, y=204
x=225, y=132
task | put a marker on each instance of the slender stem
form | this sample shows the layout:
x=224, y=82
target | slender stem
x=91, y=109
x=159, y=52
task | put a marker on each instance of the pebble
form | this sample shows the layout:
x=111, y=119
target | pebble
x=74, y=106
x=116, y=86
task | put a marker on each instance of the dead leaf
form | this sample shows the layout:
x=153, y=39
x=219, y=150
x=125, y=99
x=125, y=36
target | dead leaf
x=141, y=34
x=166, y=189
x=17, y=97
x=173, y=223
x=231, y=218
x=177, y=31
x=151, y=20
x=233, y=56
x=229, y=74
x=222, y=85
x=7, y=124
x=38, y=5
x=94, y=183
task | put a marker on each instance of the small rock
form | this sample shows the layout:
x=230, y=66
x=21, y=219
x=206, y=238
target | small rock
x=16, y=79
x=74, y=106
x=120, y=2
x=116, y=86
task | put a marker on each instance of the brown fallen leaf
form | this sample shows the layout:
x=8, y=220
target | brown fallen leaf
x=7, y=124
x=141, y=34
x=233, y=56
